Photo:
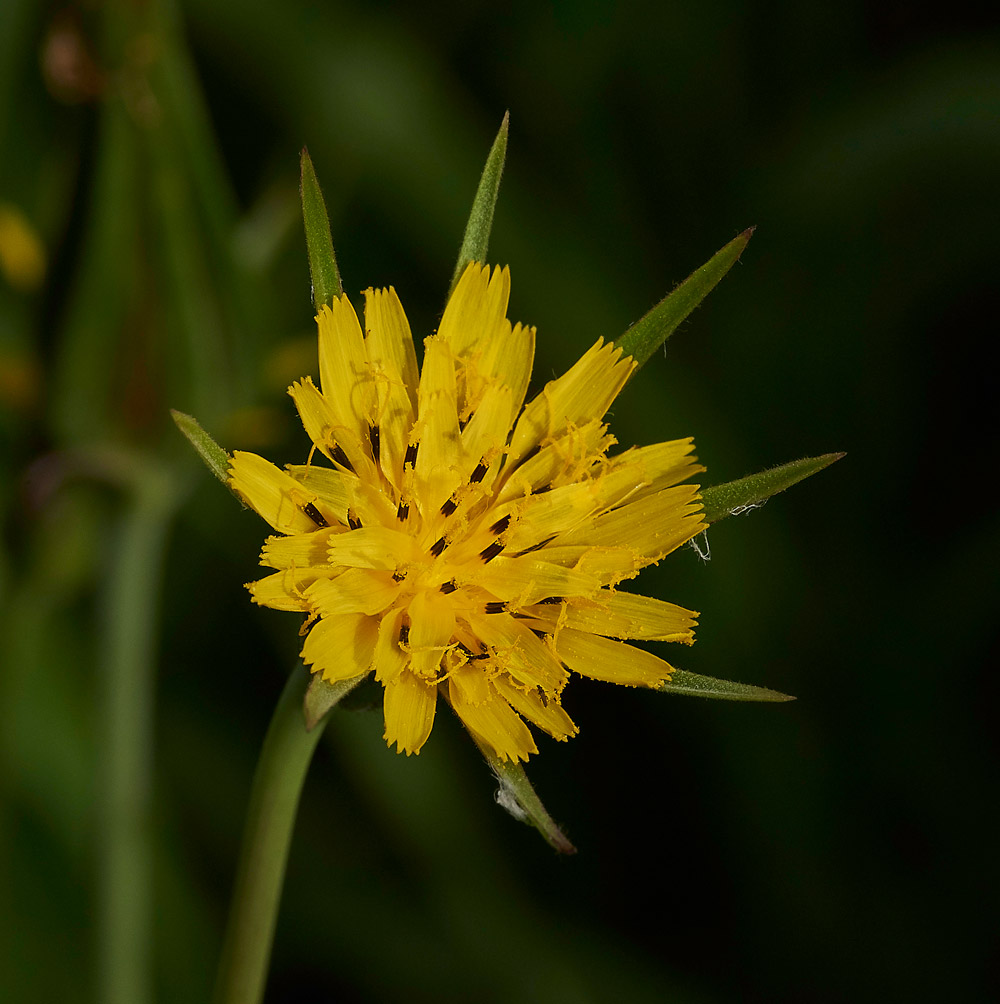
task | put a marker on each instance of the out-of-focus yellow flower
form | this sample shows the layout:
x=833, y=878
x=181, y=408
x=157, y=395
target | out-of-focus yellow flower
x=22, y=254
x=459, y=545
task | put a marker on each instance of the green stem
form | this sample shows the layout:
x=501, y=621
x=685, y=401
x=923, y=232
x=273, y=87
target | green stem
x=274, y=799
x=129, y=661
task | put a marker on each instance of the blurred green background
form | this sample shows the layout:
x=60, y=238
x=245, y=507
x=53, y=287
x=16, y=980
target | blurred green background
x=840, y=848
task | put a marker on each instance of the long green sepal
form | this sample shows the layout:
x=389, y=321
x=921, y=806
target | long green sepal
x=319, y=244
x=477, y=231
x=694, y=685
x=518, y=797
x=322, y=697
x=736, y=497
x=652, y=330
x=215, y=457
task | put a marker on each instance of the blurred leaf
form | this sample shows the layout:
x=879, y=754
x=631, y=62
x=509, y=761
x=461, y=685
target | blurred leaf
x=694, y=685
x=518, y=797
x=322, y=261
x=476, y=241
x=652, y=330
x=215, y=457
x=736, y=497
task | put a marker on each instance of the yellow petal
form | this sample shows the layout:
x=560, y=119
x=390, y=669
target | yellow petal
x=653, y=526
x=432, y=625
x=338, y=441
x=355, y=591
x=275, y=495
x=394, y=369
x=622, y=615
x=341, y=648
x=539, y=708
x=344, y=371
x=286, y=590
x=390, y=659
x=517, y=650
x=613, y=661
x=437, y=467
x=508, y=359
x=470, y=680
x=495, y=724
x=301, y=550
x=332, y=488
x=583, y=393
x=373, y=547
x=528, y=579
x=476, y=309
x=409, y=712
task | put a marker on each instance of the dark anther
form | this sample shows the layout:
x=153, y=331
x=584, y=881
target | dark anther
x=402, y=510
x=535, y=547
x=314, y=514
x=373, y=438
x=438, y=546
x=492, y=551
x=340, y=457
x=352, y=521
x=398, y=576
x=495, y=607
x=551, y=599
x=463, y=422
x=543, y=697
x=448, y=587
x=479, y=473
x=501, y=524
x=538, y=634
x=542, y=490
x=411, y=454
x=449, y=507
x=404, y=634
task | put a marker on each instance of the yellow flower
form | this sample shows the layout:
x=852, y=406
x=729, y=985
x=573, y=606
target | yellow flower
x=458, y=545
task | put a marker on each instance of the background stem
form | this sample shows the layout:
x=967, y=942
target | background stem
x=274, y=799
x=132, y=600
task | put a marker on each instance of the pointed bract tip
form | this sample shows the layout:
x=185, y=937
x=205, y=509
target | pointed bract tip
x=506, y=120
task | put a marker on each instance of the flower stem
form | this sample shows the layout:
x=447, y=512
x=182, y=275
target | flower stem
x=274, y=799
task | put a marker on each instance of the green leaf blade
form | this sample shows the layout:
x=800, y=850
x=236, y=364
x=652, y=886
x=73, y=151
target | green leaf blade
x=695, y=685
x=319, y=244
x=214, y=456
x=735, y=497
x=658, y=324
x=475, y=242
x=518, y=797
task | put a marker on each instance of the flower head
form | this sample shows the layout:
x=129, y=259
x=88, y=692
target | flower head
x=457, y=544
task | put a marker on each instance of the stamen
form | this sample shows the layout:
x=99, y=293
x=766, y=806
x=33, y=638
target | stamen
x=491, y=552
x=353, y=521
x=535, y=547
x=495, y=607
x=543, y=697
x=542, y=490
x=373, y=438
x=551, y=599
x=314, y=514
x=340, y=457
x=438, y=546
x=404, y=634
x=411, y=454
x=449, y=507
x=500, y=525
x=402, y=511
x=398, y=576
x=479, y=473
x=448, y=587
x=539, y=634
